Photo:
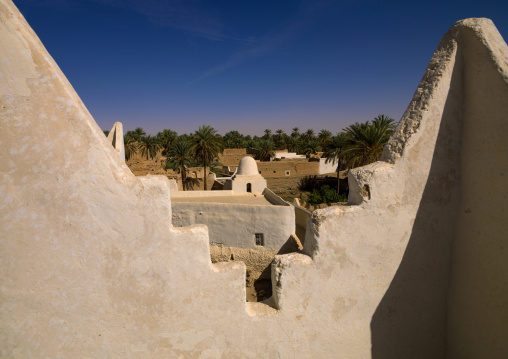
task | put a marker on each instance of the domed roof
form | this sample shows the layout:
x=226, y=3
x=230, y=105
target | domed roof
x=247, y=167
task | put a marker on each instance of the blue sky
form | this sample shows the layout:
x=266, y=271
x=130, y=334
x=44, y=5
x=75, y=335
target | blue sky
x=246, y=65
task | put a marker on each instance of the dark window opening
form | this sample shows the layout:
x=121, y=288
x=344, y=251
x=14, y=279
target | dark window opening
x=260, y=239
x=249, y=187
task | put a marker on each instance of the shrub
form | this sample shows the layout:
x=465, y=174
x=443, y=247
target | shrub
x=325, y=195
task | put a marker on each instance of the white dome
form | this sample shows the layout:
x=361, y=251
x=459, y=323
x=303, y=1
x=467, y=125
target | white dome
x=247, y=167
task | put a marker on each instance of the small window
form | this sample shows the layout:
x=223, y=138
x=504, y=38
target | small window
x=288, y=173
x=274, y=171
x=260, y=239
x=249, y=188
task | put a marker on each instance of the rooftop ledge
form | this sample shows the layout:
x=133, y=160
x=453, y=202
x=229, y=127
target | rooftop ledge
x=256, y=199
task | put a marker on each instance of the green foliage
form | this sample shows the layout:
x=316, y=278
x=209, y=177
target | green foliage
x=265, y=150
x=364, y=142
x=325, y=195
x=106, y=133
x=167, y=138
x=312, y=147
x=149, y=146
x=131, y=147
x=206, y=145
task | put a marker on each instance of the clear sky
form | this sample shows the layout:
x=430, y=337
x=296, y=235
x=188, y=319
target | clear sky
x=246, y=65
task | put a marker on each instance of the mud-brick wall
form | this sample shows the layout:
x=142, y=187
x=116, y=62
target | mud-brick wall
x=235, y=151
x=232, y=160
x=295, y=167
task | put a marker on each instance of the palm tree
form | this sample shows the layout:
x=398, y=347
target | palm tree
x=266, y=150
x=292, y=144
x=138, y=133
x=333, y=152
x=310, y=134
x=312, y=147
x=365, y=141
x=268, y=134
x=296, y=132
x=234, y=139
x=206, y=144
x=279, y=138
x=131, y=147
x=149, y=146
x=179, y=156
x=167, y=139
x=324, y=136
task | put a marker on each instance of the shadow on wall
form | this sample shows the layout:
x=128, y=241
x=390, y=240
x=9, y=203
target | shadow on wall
x=410, y=321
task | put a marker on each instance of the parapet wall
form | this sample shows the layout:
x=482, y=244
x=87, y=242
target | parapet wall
x=414, y=267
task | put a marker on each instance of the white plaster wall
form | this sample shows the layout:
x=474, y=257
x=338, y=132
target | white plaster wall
x=477, y=320
x=202, y=193
x=325, y=168
x=288, y=155
x=91, y=267
x=239, y=184
x=302, y=216
x=115, y=137
x=273, y=198
x=234, y=225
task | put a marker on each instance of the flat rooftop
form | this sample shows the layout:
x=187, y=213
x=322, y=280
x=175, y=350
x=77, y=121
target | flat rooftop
x=259, y=200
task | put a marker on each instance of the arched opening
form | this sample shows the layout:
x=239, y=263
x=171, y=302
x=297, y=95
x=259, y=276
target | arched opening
x=249, y=188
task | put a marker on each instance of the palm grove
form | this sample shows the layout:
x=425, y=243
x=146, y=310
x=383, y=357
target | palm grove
x=357, y=145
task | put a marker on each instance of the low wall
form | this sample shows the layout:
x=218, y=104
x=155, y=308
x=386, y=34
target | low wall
x=294, y=166
x=202, y=193
x=302, y=217
x=273, y=198
x=232, y=159
x=235, y=225
x=234, y=151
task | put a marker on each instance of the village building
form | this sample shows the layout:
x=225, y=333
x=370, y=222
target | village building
x=245, y=214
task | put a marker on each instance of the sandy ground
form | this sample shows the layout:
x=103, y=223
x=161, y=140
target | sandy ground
x=237, y=199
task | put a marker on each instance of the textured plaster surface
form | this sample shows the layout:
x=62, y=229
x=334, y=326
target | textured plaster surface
x=115, y=137
x=91, y=266
x=234, y=199
x=235, y=225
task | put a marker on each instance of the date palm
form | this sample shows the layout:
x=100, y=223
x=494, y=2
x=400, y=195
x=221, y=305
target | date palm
x=312, y=147
x=279, y=138
x=292, y=144
x=268, y=134
x=296, y=132
x=206, y=144
x=149, y=146
x=138, y=133
x=266, y=150
x=178, y=157
x=167, y=138
x=323, y=137
x=365, y=141
x=131, y=147
x=333, y=152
